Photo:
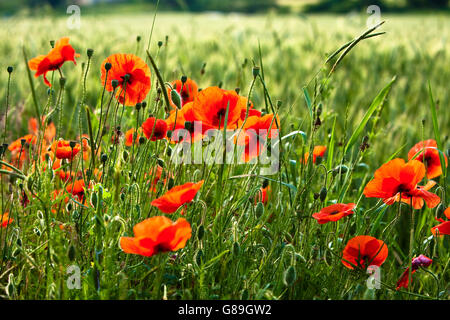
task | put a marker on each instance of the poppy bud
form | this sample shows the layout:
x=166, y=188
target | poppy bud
x=323, y=194
x=176, y=98
x=259, y=211
x=114, y=83
x=184, y=79
x=90, y=52
x=440, y=210
x=122, y=196
x=170, y=184
x=265, y=184
x=50, y=91
x=169, y=134
x=340, y=169
x=423, y=122
x=279, y=104
x=142, y=140
x=169, y=150
x=237, y=90
x=448, y=152
x=71, y=252
x=75, y=215
x=144, y=104
x=289, y=276
x=19, y=242
x=161, y=163
x=62, y=81
x=188, y=125
x=37, y=232
x=255, y=72
x=236, y=249
x=199, y=257
x=220, y=84
x=10, y=69
x=52, y=43
x=94, y=199
x=317, y=123
x=69, y=207
x=244, y=294
x=316, y=196
x=319, y=110
x=138, y=38
x=200, y=232
x=160, y=43
x=103, y=157
x=125, y=155
x=202, y=71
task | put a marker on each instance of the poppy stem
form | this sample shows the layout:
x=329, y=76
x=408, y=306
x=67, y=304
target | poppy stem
x=161, y=82
x=411, y=243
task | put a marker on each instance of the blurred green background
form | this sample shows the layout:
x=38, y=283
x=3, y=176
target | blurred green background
x=9, y=7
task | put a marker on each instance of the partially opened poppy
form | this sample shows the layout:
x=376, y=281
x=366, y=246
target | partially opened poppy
x=364, y=251
x=444, y=227
x=154, y=129
x=157, y=234
x=183, y=125
x=263, y=195
x=188, y=91
x=420, y=261
x=211, y=104
x=318, y=153
x=177, y=196
x=133, y=75
x=5, y=220
x=427, y=152
x=16, y=146
x=334, y=212
x=63, y=150
x=61, y=53
x=397, y=178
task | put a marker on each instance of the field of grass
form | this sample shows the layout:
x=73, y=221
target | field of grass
x=239, y=248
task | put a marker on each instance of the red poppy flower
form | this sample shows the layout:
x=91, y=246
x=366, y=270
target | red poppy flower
x=154, y=129
x=157, y=234
x=255, y=133
x=263, y=195
x=210, y=107
x=61, y=53
x=177, y=196
x=318, y=152
x=420, y=261
x=127, y=65
x=427, y=152
x=364, y=251
x=251, y=112
x=444, y=227
x=5, y=220
x=50, y=129
x=334, y=212
x=129, y=137
x=396, y=178
x=76, y=188
x=62, y=149
x=16, y=146
x=188, y=91
x=418, y=196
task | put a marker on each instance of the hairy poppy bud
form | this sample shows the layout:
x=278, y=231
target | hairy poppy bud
x=170, y=184
x=62, y=81
x=341, y=169
x=125, y=155
x=316, y=196
x=200, y=232
x=259, y=211
x=323, y=194
x=37, y=231
x=108, y=66
x=71, y=252
x=236, y=249
x=176, y=98
x=289, y=276
x=90, y=52
x=10, y=69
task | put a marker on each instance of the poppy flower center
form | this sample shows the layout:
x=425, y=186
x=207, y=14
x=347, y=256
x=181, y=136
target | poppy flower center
x=334, y=212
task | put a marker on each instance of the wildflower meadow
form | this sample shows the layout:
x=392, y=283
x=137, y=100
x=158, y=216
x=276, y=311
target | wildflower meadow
x=208, y=156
